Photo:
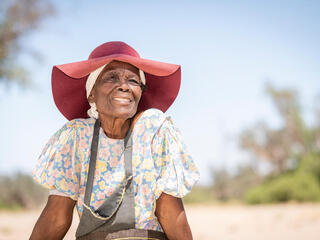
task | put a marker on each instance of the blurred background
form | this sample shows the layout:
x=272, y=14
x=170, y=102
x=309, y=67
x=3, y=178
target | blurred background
x=248, y=108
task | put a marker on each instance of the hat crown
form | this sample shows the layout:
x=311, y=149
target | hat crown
x=115, y=47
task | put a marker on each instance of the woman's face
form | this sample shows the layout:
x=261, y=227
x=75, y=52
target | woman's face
x=117, y=91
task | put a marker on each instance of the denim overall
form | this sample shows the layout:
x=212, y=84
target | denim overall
x=115, y=218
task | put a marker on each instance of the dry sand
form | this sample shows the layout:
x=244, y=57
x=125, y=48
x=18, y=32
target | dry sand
x=275, y=222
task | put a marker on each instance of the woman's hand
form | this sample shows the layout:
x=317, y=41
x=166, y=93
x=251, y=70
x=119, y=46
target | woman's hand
x=55, y=219
x=172, y=217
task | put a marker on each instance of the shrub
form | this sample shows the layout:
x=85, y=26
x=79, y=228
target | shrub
x=310, y=163
x=297, y=186
x=20, y=191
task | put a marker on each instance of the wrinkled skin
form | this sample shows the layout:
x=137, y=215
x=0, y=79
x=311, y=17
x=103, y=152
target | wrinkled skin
x=117, y=93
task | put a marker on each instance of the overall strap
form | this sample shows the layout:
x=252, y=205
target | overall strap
x=128, y=154
x=93, y=158
x=92, y=163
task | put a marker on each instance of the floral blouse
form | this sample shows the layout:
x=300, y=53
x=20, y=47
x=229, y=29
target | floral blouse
x=160, y=163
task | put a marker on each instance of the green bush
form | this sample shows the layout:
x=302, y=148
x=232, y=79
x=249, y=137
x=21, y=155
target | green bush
x=310, y=163
x=297, y=186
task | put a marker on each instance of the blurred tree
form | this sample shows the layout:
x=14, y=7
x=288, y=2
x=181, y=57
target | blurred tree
x=18, y=18
x=20, y=191
x=227, y=186
x=292, y=150
x=292, y=139
x=316, y=136
x=245, y=178
x=221, y=184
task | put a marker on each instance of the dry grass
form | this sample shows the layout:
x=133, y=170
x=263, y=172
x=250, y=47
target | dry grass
x=289, y=221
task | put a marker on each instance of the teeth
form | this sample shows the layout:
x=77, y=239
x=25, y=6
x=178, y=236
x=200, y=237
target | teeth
x=122, y=99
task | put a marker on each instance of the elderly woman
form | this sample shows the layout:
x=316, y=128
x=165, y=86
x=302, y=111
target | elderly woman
x=119, y=159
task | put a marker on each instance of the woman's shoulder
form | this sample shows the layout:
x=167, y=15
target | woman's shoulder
x=151, y=119
x=154, y=114
x=70, y=130
x=79, y=124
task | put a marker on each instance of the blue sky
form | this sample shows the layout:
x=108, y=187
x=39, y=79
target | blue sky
x=228, y=50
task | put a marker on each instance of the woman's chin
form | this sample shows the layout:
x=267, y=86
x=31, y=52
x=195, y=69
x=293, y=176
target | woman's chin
x=121, y=112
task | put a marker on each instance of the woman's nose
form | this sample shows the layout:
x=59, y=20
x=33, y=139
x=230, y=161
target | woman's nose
x=123, y=86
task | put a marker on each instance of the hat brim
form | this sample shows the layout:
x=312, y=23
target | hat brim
x=69, y=93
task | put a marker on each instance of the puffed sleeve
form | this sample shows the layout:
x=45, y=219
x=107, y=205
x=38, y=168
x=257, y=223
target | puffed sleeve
x=176, y=170
x=58, y=166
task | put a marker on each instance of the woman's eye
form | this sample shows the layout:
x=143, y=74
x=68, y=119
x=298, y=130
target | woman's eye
x=109, y=79
x=133, y=81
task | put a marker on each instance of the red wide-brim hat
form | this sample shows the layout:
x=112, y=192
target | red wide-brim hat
x=69, y=80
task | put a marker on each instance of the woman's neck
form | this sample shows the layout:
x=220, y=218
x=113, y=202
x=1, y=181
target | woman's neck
x=116, y=128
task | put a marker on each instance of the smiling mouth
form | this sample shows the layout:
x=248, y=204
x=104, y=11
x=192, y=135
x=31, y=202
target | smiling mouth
x=122, y=100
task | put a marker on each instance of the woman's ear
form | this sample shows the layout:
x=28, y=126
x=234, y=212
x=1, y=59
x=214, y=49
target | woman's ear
x=91, y=98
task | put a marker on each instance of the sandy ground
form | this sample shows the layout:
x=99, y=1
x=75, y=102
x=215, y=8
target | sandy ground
x=275, y=222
